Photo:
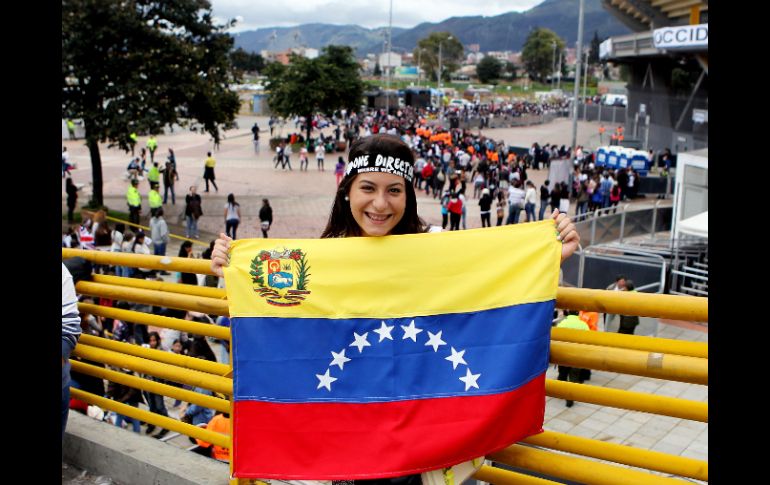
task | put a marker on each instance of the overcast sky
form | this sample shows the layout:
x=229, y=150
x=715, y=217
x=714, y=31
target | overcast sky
x=254, y=14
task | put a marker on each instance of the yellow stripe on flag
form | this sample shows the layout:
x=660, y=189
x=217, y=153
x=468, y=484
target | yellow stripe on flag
x=394, y=276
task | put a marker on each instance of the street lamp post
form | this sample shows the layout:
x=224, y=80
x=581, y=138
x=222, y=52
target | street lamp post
x=577, y=75
x=419, y=55
x=553, y=62
x=390, y=48
x=440, y=59
x=585, y=86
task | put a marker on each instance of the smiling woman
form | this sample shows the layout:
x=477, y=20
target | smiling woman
x=376, y=197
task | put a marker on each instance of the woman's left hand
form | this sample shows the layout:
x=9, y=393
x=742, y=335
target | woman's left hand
x=568, y=235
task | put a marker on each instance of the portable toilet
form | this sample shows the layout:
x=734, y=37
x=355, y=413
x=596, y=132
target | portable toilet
x=623, y=158
x=640, y=161
x=613, y=157
x=601, y=156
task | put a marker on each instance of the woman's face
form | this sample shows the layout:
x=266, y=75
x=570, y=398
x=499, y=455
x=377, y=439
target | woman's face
x=153, y=342
x=377, y=202
x=177, y=347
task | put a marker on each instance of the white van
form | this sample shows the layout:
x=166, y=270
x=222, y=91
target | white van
x=614, y=100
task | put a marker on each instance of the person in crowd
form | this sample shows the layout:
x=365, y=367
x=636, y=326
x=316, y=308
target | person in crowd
x=500, y=207
x=126, y=395
x=232, y=216
x=220, y=423
x=530, y=201
x=193, y=210
x=159, y=233
x=265, y=217
x=544, y=196
x=628, y=323
x=70, y=332
x=320, y=153
x=208, y=172
x=141, y=245
x=72, y=198
x=485, y=206
x=374, y=203
x=170, y=177
x=86, y=234
x=155, y=402
x=455, y=208
x=515, y=202
x=134, y=201
x=618, y=285
x=186, y=251
x=566, y=373
x=339, y=170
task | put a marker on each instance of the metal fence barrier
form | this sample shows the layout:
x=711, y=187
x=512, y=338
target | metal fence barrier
x=675, y=360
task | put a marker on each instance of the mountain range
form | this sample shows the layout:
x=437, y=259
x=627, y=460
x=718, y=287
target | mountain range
x=498, y=33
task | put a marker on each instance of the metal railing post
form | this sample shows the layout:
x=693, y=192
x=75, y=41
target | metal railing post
x=622, y=223
x=593, y=226
x=654, y=218
x=581, y=266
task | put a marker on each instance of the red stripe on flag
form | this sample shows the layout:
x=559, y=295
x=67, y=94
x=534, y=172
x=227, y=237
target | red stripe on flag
x=333, y=441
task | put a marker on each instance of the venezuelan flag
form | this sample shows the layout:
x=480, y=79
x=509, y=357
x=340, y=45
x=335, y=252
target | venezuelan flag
x=377, y=357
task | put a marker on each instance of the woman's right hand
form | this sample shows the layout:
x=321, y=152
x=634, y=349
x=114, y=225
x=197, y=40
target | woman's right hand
x=220, y=256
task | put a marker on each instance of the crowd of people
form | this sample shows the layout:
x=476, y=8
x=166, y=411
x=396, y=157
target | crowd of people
x=156, y=338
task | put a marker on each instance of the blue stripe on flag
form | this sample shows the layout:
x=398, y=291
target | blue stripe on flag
x=306, y=360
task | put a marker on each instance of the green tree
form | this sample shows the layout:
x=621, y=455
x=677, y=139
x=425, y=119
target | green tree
x=538, y=53
x=593, y=53
x=451, y=54
x=377, y=71
x=489, y=69
x=247, y=61
x=307, y=86
x=510, y=70
x=138, y=66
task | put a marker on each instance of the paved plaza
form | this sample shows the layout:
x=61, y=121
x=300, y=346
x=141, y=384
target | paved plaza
x=301, y=203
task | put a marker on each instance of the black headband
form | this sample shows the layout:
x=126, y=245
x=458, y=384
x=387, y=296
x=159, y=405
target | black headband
x=375, y=162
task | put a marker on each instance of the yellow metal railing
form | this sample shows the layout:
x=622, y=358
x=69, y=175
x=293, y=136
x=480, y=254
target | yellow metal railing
x=147, y=229
x=644, y=356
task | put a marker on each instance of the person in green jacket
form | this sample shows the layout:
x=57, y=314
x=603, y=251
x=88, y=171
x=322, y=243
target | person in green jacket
x=134, y=200
x=153, y=176
x=571, y=374
x=156, y=201
x=71, y=129
x=133, y=141
x=152, y=145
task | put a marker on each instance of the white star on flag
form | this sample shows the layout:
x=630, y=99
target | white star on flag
x=470, y=379
x=456, y=358
x=326, y=380
x=339, y=359
x=360, y=342
x=384, y=331
x=411, y=331
x=435, y=340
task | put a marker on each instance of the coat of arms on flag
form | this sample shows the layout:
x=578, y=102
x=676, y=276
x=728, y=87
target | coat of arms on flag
x=281, y=276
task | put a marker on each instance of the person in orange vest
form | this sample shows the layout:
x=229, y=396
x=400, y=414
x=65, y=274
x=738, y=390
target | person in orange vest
x=591, y=318
x=220, y=423
x=613, y=139
x=601, y=134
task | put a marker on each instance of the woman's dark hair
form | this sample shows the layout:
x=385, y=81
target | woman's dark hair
x=120, y=227
x=154, y=334
x=200, y=348
x=139, y=235
x=231, y=199
x=341, y=222
x=183, y=249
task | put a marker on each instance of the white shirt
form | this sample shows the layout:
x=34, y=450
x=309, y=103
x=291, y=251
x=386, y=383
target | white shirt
x=531, y=196
x=515, y=195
